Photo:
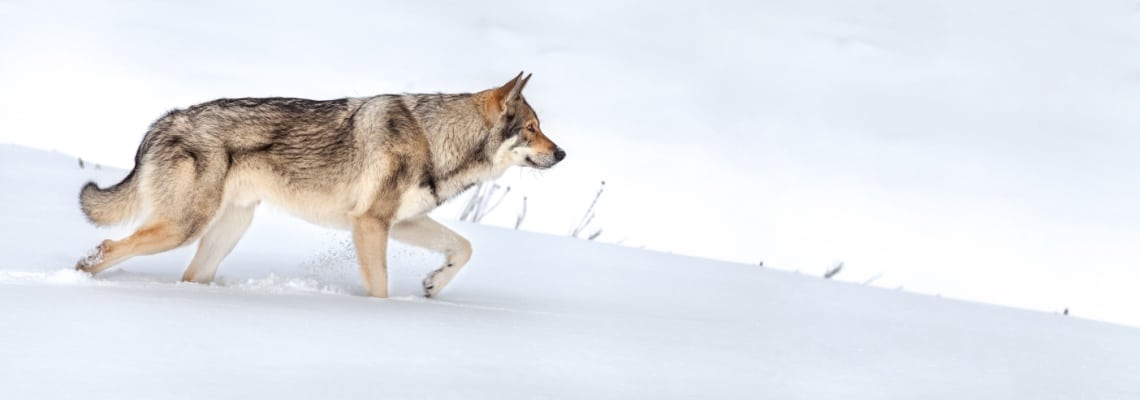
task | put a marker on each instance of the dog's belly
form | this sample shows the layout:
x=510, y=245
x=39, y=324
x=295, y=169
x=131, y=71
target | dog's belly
x=314, y=209
x=332, y=208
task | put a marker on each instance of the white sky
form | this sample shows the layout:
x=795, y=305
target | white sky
x=980, y=150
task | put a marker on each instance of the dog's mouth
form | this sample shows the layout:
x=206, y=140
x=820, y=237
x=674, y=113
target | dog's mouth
x=533, y=164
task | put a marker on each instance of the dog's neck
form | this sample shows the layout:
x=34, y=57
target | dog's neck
x=463, y=150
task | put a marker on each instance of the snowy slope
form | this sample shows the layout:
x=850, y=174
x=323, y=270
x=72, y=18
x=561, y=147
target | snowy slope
x=533, y=316
x=955, y=147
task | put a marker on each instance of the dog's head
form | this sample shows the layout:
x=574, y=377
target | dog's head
x=515, y=125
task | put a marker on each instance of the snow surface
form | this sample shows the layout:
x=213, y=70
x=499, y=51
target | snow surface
x=532, y=316
x=955, y=147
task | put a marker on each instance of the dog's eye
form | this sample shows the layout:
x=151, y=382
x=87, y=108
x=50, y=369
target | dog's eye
x=530, y=127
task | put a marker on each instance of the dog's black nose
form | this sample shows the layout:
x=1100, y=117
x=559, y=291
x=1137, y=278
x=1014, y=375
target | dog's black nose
x=559, y=155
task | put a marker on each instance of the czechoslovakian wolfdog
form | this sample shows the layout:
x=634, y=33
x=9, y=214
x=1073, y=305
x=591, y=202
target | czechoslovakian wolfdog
x=374, y=165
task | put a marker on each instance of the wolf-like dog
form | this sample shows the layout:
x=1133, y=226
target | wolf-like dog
x=374, y=165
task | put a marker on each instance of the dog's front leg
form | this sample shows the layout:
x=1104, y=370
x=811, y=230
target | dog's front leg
x=370, y=236
x=429, y=234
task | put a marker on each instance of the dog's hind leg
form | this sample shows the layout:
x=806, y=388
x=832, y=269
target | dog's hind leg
x=184, y=191
x=218, y=241
x=152, y=237
x=429, y=234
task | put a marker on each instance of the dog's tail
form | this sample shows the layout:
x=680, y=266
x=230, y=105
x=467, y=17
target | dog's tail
x=113, y=205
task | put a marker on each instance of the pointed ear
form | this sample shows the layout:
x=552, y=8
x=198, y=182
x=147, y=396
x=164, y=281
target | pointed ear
x=521, y=85
x=504, y=94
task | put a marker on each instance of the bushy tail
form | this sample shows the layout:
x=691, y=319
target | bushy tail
x=114, y=205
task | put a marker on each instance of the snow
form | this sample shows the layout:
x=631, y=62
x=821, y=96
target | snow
x=532, y=316
x=952, y=147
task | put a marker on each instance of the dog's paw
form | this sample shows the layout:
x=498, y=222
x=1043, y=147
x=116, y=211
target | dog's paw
x=430, y=285
x=93, y=258
x=438, y=279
